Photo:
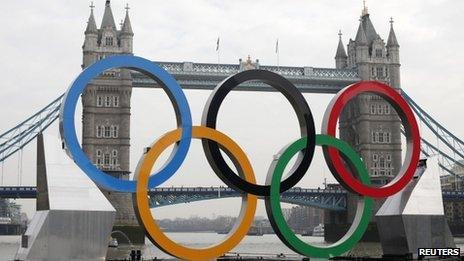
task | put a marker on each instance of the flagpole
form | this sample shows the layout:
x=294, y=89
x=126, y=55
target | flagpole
x=277, y=53
x=218, y=50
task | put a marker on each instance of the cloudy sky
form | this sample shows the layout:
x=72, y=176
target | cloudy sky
x=41, y=54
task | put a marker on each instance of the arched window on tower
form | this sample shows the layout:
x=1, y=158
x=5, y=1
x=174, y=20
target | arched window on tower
x=372, y=108
x=98, y=155
x=114, y=158
x=107, y=133
x=114, y=131
x=382, y=166
x=99, y=101
x=109, y=41
x=107, y=101
x=387, y=109
x=106, y=159
x=99, y=131
x=381, y=136
x=379, y=109
x=387, y=137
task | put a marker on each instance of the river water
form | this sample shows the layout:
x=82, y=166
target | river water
x=267, y=245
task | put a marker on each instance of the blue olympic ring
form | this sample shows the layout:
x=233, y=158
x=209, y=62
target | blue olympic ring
x=163, y=78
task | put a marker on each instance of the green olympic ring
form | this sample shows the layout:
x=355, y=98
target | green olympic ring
x=274, y=210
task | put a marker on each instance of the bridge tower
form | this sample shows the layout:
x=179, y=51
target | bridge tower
x=368, y=123
x=106, y=112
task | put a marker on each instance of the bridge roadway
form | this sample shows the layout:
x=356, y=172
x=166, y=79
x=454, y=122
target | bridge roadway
x=205, y=76
x=163, y=196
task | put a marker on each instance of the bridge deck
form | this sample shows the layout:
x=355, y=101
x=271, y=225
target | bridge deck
x=163, y=196
x=204, y=76
x=18, y=192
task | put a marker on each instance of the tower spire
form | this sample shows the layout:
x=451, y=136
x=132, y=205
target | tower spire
x=108, y=19
x=361, y=38
x=91, y=25
x=126, y=26
x=392, y=41
x=340, y=57
x=341, y=53
x=364, y=11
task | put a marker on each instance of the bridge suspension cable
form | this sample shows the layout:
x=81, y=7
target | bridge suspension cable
x=16, y=138
x=3, y=168
x=448, y=138
x=446, y=161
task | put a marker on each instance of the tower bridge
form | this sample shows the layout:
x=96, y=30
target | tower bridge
x=106, y=140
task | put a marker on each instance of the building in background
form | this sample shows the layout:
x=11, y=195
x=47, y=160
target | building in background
x=10, y=218
x=304, y=219
x=454, y=210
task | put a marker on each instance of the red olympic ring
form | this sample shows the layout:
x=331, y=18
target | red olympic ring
x=338, y=166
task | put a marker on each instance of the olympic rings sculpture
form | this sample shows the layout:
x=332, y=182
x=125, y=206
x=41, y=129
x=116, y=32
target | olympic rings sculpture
x=354, y=179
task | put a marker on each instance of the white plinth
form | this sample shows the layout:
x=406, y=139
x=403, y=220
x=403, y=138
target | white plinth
x=79, y=222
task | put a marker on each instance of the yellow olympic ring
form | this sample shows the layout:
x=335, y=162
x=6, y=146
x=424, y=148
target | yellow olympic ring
x=144, y=214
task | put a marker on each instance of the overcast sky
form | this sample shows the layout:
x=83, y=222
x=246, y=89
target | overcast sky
x=40, y=43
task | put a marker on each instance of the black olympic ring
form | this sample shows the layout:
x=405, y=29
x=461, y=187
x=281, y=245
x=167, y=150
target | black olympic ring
x=305, y=120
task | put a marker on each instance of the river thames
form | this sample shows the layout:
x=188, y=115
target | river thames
x=267, y=245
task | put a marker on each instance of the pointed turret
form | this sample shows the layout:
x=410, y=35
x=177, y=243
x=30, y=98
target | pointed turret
x=127, y=34
x=340, y=57
x=362, y=51
x=341, y=53
x=369, y=29
x=108, y=19
x=393, y=52
x=392, y=36
x=91, y=40
x=91, y=25
x=367, y=25
x=361, y=35
x=126, y=26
